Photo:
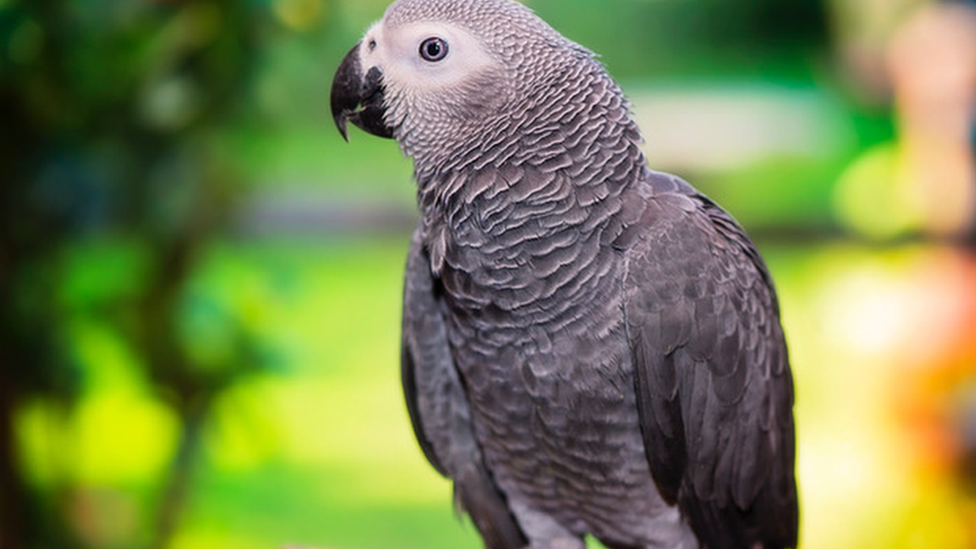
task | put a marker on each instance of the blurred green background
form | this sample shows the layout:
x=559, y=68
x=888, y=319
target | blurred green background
x=200, y=281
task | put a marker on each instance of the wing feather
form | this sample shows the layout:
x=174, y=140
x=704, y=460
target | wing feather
x=712, y=378
x=438, y=407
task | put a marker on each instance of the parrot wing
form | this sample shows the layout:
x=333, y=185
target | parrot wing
x=438, y=406
x=713, y=383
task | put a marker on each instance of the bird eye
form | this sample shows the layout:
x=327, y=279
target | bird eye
x=433, y=49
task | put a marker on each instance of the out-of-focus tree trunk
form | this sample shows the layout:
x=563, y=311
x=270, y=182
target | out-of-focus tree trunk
x=12, y=492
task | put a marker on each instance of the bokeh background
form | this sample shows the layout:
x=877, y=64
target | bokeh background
x=200, y=281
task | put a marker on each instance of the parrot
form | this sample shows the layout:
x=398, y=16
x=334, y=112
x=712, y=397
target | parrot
x=590, y=349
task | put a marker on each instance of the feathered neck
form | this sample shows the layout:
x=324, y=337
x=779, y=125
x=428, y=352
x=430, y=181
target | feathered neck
x=572, y=122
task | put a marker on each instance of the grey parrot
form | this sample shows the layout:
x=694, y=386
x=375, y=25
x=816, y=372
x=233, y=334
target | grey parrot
x=589, y=347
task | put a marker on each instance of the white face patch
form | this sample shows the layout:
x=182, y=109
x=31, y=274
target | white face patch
x=397, y=53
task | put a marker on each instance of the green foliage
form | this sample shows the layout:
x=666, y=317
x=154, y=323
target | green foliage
x=670, y=38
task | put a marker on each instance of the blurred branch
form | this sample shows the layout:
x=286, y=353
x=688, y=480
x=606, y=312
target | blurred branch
x=177, y=486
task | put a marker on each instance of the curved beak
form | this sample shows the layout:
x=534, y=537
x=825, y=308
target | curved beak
x=358, y=97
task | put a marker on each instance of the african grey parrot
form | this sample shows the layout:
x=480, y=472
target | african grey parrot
x=589, y=346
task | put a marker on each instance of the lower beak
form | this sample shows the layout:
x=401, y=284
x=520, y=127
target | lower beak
x=359, y=97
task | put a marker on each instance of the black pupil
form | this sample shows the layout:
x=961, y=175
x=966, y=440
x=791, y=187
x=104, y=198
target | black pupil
x=433, y=49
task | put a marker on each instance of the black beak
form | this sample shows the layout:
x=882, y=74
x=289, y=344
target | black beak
x=358, y=97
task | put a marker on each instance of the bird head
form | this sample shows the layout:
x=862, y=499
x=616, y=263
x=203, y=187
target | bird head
x=433, y=73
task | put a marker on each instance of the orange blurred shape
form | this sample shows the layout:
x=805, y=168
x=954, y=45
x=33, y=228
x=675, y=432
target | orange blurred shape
x=940, y=358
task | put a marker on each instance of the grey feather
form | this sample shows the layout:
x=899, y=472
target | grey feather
x=717, y=444
x=439, y=409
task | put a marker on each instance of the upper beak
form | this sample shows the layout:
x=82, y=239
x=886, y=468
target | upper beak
x=358, y=97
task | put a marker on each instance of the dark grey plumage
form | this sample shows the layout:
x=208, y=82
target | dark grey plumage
x=589, y=347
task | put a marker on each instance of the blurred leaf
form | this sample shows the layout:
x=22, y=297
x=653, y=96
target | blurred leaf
x=100, y=272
